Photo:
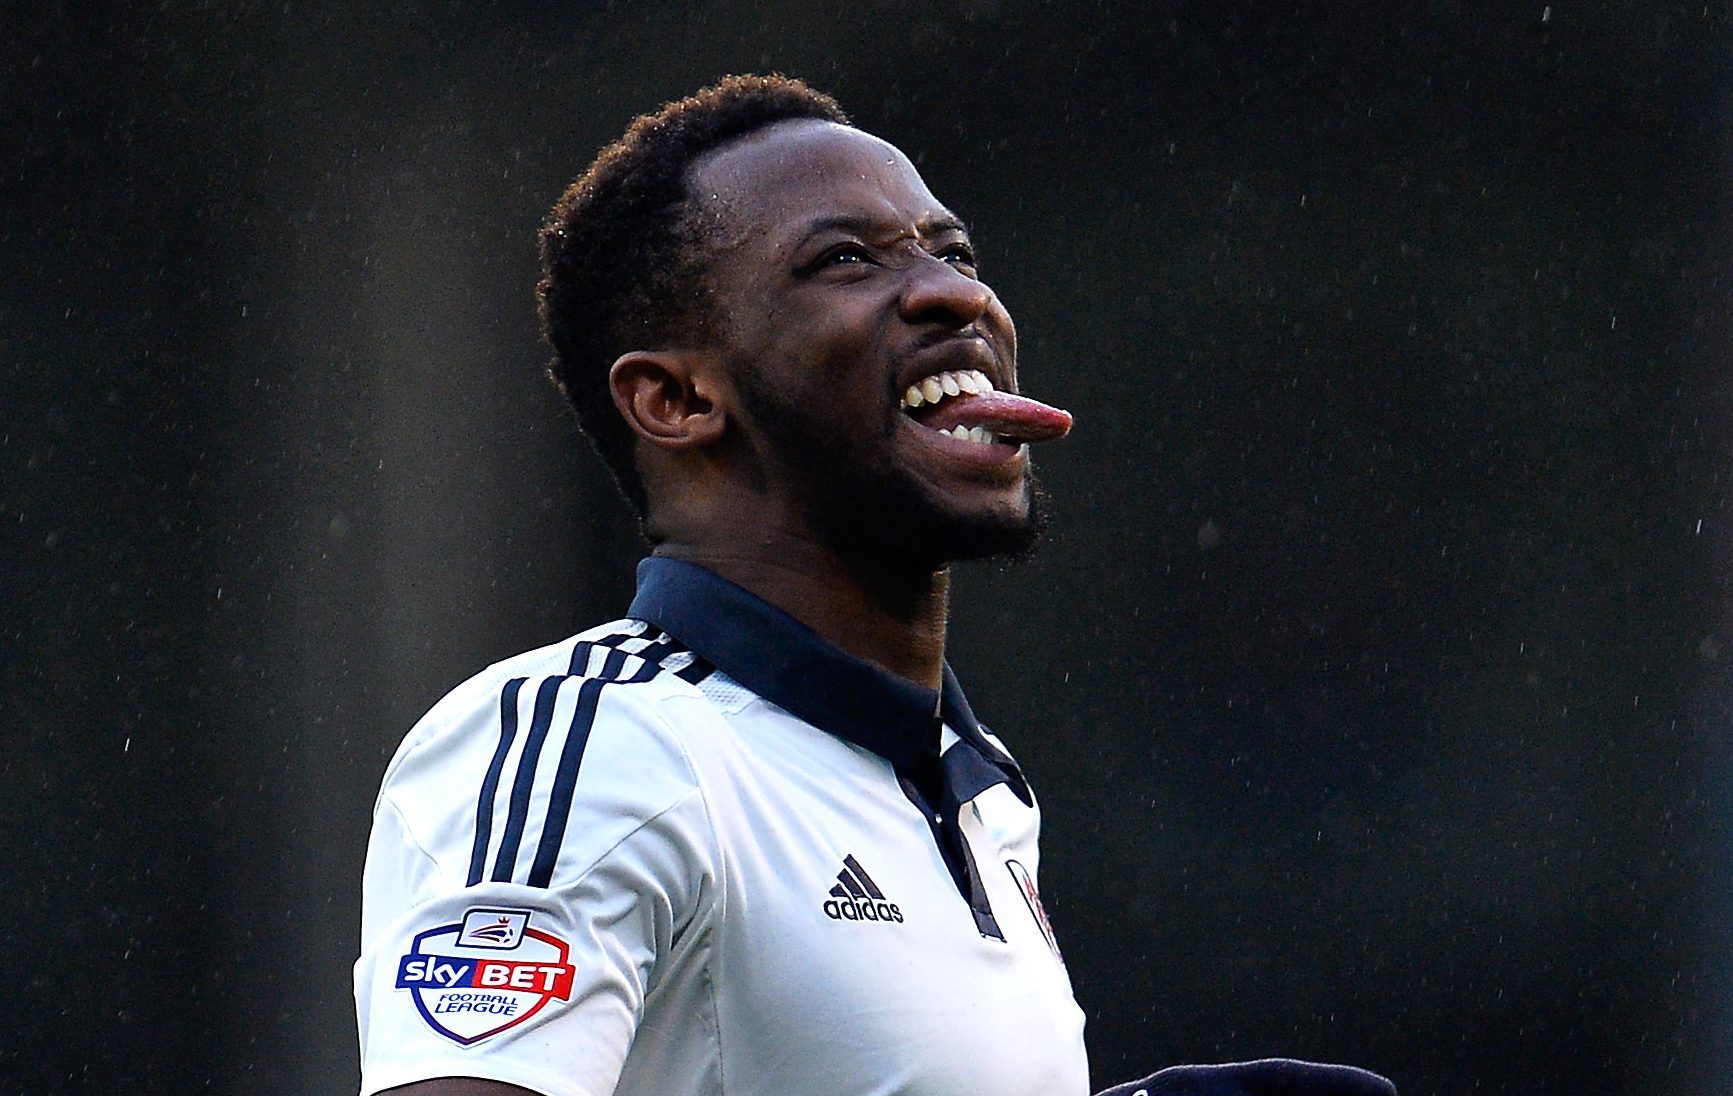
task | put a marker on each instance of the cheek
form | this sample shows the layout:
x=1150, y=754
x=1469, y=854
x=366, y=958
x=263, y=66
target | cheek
x=848, y=336
x=846, y=361
x=827, y=356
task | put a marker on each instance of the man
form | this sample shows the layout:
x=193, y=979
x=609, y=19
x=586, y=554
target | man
x=750, y=839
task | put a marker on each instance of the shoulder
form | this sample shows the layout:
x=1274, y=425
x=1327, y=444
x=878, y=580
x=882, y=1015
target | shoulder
x=597, y=725
x=522, y=693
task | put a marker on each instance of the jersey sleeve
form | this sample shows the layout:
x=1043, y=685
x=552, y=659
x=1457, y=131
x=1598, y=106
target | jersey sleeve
x=541, y=859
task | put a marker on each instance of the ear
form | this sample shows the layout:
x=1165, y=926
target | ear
x=668, y=397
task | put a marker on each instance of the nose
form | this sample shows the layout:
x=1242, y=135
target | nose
x=937, y=292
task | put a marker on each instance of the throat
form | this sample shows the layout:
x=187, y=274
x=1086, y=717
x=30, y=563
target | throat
x=890, y=613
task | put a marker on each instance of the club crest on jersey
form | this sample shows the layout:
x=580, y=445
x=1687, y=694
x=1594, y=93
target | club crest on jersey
x=485, y=974
x=1032, y=897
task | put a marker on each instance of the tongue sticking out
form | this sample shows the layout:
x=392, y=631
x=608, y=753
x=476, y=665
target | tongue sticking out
x=1016, y=417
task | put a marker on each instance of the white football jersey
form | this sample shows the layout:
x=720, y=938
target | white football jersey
x=734, y=862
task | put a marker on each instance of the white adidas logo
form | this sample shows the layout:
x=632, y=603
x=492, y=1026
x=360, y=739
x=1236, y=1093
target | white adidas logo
x=857, y=898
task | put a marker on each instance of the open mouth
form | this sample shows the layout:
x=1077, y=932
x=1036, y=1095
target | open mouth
x=923, y=400
x=963, y=404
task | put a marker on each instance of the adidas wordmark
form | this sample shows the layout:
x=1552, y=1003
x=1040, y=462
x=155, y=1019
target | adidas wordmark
x=857, y=898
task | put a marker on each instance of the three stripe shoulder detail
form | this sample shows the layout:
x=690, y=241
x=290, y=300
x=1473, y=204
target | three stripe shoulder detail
x=560, y=721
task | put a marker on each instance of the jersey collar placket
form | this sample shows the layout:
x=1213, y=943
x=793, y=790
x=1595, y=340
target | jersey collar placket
x=786, y=663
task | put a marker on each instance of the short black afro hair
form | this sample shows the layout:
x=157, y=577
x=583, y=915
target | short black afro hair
x=623, y=267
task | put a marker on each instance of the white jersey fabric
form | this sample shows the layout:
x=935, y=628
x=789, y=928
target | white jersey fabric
x=702, y=851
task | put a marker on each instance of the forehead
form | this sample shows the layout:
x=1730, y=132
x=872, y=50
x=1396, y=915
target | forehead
x=771, y=184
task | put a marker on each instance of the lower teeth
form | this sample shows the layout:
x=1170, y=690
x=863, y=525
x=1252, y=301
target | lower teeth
x=976, y=434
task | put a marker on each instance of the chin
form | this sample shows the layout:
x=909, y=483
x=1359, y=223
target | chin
x=895, y=521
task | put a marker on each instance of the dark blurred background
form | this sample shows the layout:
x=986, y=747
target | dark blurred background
x=1375, y=679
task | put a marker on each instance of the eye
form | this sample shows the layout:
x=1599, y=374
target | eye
x=844, y=254
x=959, y=255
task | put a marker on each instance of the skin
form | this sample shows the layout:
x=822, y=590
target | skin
x=838, y=281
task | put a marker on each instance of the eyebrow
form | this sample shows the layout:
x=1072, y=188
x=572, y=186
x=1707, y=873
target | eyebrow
x=868, y=226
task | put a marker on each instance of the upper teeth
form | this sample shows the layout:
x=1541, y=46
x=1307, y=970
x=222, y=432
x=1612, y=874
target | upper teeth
x=950, y=383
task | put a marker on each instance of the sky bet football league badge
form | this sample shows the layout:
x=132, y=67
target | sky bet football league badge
x=484, y=975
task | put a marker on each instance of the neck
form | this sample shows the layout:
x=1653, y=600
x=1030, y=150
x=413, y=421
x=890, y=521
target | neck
x=888, y=614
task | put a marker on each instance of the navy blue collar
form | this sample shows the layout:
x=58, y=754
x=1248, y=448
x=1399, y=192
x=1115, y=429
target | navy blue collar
x=790, y=665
